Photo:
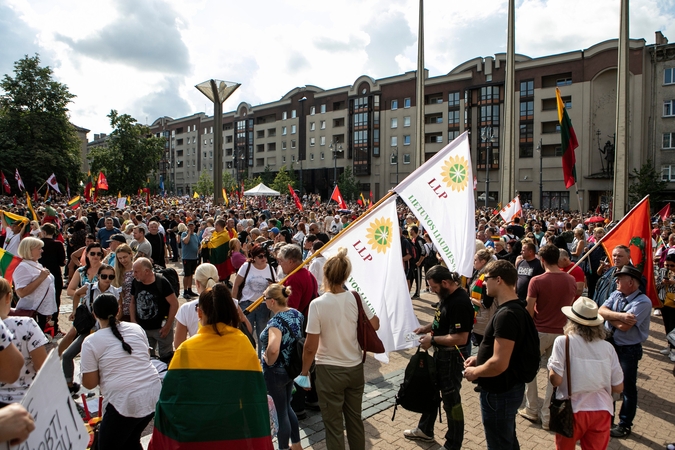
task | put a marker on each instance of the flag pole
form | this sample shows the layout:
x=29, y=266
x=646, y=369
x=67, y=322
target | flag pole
x=576, y=189
x=257, y=303
x=603, y=238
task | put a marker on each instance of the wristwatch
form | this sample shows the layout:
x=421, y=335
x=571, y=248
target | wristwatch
x=433, y=341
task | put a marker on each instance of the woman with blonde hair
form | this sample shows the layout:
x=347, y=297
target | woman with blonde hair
x=124, y=276
x=276, y=342
x=331, y=338
x=34, y=284
x=578, y=245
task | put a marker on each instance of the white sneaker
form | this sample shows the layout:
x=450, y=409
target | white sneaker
x=672, y=355
x=665, y=351
x=417, y=435
x=657, y=312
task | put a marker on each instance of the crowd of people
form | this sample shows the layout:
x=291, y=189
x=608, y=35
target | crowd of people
x=126, y=266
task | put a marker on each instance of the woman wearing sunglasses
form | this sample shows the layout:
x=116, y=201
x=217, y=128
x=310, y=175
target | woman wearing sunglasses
x=252, y=279
x=86, y=295
x=89, y=272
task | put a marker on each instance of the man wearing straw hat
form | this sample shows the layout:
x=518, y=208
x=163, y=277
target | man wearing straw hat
x=627, y=312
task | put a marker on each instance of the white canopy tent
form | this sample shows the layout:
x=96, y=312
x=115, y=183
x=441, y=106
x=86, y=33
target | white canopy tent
x=261, y=190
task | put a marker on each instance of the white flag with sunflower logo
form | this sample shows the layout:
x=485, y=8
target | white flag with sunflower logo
x=440, y=194
x=374, y=248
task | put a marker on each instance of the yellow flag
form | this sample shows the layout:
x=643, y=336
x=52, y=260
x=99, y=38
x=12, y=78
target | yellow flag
x=195, y=195
x=227, y=201
x=47, y=194
x=30, y=207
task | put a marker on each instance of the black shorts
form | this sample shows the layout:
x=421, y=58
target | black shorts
x=189, y=267
x=410, y=272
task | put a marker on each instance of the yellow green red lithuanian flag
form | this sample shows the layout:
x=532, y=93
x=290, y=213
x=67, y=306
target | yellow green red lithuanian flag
x=8, y=263
x=213, y=396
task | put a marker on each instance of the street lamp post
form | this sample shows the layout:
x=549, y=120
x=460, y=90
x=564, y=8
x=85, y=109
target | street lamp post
x=487, y=136
x=541, y=179
x=217, y=91
x=336, y=148
x=302, y=138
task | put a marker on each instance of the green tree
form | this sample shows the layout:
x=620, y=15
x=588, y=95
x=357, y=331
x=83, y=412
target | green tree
x=131, y=155
x=204, y=184
x=646, y=181
x=283, y=179
x=268, y=176
x=252, y=182
x=350, y=188
x=229, y=182
x=35, y=134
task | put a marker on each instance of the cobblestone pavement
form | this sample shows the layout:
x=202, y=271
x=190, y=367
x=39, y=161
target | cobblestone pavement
x=654, y=425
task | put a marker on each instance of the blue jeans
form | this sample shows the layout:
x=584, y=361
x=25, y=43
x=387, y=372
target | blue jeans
x=258, y=319
x=629, y=355
x=499, y=417
x=449, y=365
x=280, y=388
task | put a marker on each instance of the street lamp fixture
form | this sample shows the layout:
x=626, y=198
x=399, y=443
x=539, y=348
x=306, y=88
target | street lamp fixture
x=217, y=91
x=336, y=148
x=487, y=136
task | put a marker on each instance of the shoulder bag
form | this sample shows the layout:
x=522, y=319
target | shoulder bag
x=294, y=364
x=243, y=282
x=562, y=415
x=84, y=320
x=365, y=333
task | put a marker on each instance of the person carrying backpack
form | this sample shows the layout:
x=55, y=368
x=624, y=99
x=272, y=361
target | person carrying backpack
x=449, y=335
x=508, y=357
x=420, y=255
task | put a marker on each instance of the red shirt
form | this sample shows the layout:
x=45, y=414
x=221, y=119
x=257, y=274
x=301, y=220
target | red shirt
x=304, y=289
x=577, y=273
x=553, y=290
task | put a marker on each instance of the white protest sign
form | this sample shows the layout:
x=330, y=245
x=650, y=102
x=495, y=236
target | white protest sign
x=58, y=424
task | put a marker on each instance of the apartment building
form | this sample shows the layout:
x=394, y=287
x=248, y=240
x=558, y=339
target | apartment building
x=369, y=127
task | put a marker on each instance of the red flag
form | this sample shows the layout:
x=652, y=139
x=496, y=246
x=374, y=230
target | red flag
x=35, y=197
x=665, y=212
x=338, y=198
x=5, y=183
x=598, y=210
x=370, y=205
x=568, y=142
x=14, y=200
x=297, y=201
x=102, y=182
x=360, y=203
x=634, y=231
x=87, y=191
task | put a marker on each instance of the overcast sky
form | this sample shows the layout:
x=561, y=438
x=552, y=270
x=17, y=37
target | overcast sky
x=143, y=57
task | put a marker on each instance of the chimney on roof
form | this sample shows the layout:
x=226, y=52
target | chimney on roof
x=103, y=135
x=661, y=39
x=96, y=137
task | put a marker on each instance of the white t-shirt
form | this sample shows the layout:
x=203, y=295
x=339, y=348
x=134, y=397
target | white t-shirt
x=334, y=317
x=316, y=269
x=595, y=369
x=27, y=337
x=43, y=298
x=188, y=317
x=256, y=281
x=11, y=242
x=128, y=381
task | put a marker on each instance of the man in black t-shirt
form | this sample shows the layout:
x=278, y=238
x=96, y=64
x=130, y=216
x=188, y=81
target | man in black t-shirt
x=153, y=306
x=502, y=355
x=528, y=267
x=420, y=253
x=449, y=332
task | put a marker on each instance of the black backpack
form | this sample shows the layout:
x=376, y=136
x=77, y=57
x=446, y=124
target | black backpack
x=419, y=391
x=169, y=275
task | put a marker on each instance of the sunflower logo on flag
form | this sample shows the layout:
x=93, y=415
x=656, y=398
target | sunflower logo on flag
x=455, y=173
x=380, y=234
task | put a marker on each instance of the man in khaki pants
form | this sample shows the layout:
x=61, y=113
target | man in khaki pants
x=546, y=294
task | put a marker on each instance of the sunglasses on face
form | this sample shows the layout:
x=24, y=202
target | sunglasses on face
x=105, y=276
x=261, y=256
x=99, y=254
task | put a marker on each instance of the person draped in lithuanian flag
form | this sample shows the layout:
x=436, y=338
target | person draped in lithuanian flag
x=219, y=246
x=214, y=394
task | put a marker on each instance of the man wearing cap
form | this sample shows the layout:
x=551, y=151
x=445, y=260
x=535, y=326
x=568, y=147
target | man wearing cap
x=627, y=312
x=115, y=241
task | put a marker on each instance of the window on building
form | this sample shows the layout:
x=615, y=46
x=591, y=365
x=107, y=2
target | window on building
x=556, y=200
x=394, y=141
x=406, y=121
x=312, y=141
x=322, y=140
x=394, y=105
x=323, y=108
x=293, y=129
x=527, y=88
x=668, y=173
x=260, y=134
x=527, y=110
x=668, y=140
x=311, y=156
x=204, y=154
x=406, y=102
x=323, y=125
x=453, y=117
x=283, y=159
x=453, y=99
x=312, y=110
x=205, y=141
x=434, y=99
x=406, y=158
x=312, y=126
x=669, y=75
x=322, y=155
x=394, y=122
x=293, y=143
x=293, y=114
x=284, y=131
x=284, y=115
x=669, y=108
x=283, y=145
x=452, y=135
x=406, y=139
x=293, y=158
x=211, y=141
